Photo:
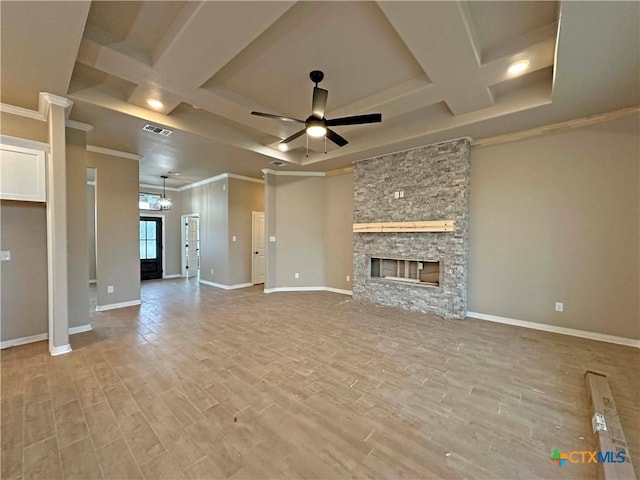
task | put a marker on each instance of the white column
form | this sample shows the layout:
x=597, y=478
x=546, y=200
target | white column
x=55, y=107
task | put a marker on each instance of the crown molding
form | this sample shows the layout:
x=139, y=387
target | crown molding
x=222, y=176
x=21, y=112
x=242, y=177
x=293, y=174
x=24, y=143
x=555, y=127
x=158, y=187
x=114, y=153
x=52, y=99
x=85, y=127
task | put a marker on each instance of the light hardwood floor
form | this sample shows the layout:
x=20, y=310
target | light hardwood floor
x=204, y=383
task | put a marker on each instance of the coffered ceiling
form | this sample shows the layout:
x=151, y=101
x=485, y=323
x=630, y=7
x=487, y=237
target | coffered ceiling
x=435, y=70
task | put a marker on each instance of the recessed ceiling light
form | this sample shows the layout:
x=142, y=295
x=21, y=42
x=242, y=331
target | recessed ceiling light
x=155, y=103
x=518, y=67
x=283, y=147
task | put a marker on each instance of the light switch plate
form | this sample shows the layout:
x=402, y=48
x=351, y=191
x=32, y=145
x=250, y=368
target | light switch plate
x=272, y=238
x=5, y=256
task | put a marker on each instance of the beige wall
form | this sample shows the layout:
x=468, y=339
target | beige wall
x=23, y=127
x=338, y=227
x=77, y=246
x=244, y=198
x=118, y=250
x=23, y=231
x=299, y=231
x=556, y=218
x=211, y=202
x=173, y=239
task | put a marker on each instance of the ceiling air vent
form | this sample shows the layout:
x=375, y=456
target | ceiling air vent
x=165, y=132
x=278, y=163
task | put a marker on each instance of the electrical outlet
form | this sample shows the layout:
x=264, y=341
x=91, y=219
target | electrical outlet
x=272, y=238
x=6, y=255
x=296, y=275
x=401, y=193
x=559, y=307
x=212, y=271
x=110, y=289
x=234, y=238
x=348, y=278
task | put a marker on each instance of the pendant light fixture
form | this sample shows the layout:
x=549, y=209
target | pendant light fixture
x=165, y=203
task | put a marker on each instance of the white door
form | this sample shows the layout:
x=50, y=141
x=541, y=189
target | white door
x=257, y=248
x=192, y=246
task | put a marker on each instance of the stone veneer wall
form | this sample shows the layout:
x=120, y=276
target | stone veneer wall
x=435, y=181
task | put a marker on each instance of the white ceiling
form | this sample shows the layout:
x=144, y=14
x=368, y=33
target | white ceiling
x=435, y=70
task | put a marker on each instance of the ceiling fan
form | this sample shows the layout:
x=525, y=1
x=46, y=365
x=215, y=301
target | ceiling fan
x=316, y=125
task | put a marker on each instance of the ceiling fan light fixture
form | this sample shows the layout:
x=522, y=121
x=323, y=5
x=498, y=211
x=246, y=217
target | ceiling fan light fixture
x=283, y=147
x=155, y=103
x=316, y=128
x=516, y=68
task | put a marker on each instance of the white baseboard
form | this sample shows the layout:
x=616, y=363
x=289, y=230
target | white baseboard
x=113, y=306
x=602, y=337
x=307, y=289
x=339, y=290
x=23, y=340
x=60, y=350
x=41, y=336
x=92, y=281
x=80, y=329
x=225, y=287
x=173, y=275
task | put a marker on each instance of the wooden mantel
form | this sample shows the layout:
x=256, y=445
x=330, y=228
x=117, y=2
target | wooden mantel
x=423, y=226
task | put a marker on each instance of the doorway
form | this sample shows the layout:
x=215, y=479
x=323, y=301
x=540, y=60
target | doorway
x=151, y=244
x=257, y=247
x=191, y=245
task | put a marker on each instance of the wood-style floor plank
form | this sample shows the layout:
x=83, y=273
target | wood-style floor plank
x=200, y=382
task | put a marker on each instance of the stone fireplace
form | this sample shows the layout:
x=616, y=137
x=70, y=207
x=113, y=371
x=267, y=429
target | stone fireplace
x=424, y=271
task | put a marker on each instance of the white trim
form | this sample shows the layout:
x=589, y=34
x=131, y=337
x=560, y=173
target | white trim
x=53, y=99
x=215, y=178
x=293, y=174
x=62, y=349
x=22, y=112
x=85, y=127
x=80, y=329
x=93, y=281
x=294, y=289
x=242, y=177
x=225, y=287
x=164, y=240
x=41, y=337
x=114, y=153
x=24, y=143
x=173, y=275
x=339, y=290
x=23, y=340
x=113, y=306
x=602, y=337
x=203, y=182
x=308, y=289
x=158, y=187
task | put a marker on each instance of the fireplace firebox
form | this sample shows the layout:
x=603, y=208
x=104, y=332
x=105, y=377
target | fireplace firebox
x=414, y=272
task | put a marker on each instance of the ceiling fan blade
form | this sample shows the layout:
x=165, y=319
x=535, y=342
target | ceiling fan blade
x=293, y=137
x=335, y=138
x=319, y=103
x=355, y=120
x=277, y=117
